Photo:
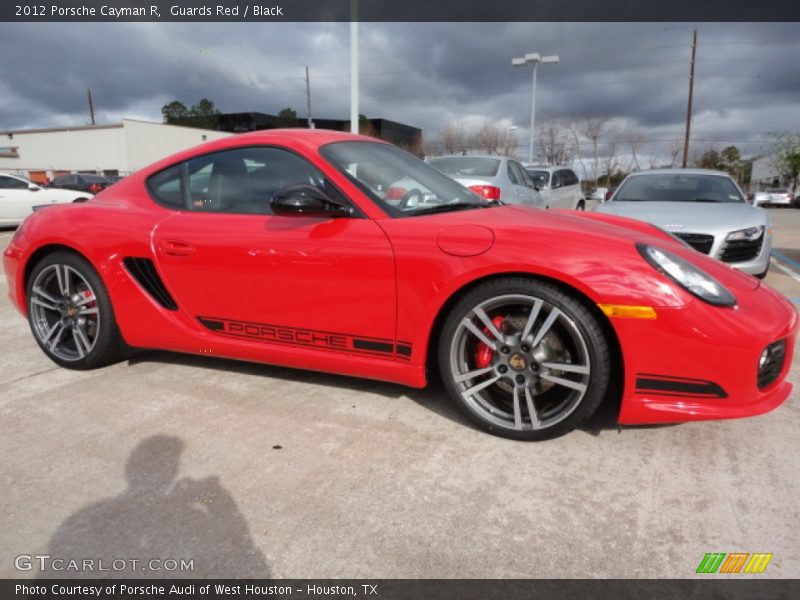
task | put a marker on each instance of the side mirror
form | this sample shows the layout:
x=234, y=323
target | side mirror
x=303, y=200
x=33, y=187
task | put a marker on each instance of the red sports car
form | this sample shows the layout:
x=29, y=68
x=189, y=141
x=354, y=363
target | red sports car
x=281, y=247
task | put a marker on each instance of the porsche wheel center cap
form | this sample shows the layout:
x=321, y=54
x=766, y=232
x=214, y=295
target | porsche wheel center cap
x=517, y=362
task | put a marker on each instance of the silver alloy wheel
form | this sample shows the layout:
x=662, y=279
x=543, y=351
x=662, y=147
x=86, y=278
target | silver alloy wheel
x=64, y=314
x=539, y=366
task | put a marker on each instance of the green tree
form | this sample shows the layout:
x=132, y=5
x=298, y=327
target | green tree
x=204, y=114
x=710, y=159
x=287, y=117
x=786, y=157
x=174, y=112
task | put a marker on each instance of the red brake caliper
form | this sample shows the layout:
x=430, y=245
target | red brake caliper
x=484, y=354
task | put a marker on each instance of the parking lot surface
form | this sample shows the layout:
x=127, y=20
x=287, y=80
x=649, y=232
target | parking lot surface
x=255, y=471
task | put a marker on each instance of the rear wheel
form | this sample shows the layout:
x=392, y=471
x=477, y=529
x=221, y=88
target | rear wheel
x=70, y=313
x=581, y=205
x=524, y=359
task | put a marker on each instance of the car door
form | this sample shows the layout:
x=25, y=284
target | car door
x=523, y=184
x=239, y=269
x=16, y=200
x=557, y=192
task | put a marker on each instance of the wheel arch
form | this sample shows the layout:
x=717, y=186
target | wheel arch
x=38, y=255
x=616, y=384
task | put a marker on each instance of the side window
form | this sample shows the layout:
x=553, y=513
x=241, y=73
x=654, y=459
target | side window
x=9, y=183
x=512, y=174
x=571, y=177
x=557, y=179
x=522, y=175
x=240, y=181
x=165, y=187
x=245, y=179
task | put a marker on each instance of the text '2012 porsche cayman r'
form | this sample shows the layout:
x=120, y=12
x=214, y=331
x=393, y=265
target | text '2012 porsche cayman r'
x=340, y=253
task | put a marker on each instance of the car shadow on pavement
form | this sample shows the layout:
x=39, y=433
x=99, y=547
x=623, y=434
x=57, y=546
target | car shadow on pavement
x=158, y=518
x=433, y=398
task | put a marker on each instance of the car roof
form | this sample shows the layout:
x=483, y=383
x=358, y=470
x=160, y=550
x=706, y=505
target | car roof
x=492, y=156
x=548, y=168
x=680, y=172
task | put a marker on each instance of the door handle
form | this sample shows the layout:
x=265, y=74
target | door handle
x=175, y=248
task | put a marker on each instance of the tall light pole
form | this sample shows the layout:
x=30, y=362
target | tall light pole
x=353, y=66
x=534, y=59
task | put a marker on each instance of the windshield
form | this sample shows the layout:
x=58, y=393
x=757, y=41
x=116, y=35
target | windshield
x=401, y=184
x=540, y=178
x=466, y=166
x=678, y=188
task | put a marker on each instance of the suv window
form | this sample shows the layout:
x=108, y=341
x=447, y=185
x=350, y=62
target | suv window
x=512, y=174
x=240, y=181
x=10, y=183
x=570, y=178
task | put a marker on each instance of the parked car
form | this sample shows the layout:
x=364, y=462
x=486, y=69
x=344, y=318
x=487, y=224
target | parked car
x=705, y=209
x=560, y=187
x=776, y=197
x=491, y=177
x=19, y=195
x=599, y=195
x=532, y=316
x=93, y=184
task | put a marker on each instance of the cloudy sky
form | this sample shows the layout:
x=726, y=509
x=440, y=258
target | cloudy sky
x=424, y=74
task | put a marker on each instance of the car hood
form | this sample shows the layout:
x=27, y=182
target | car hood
x=693, y=217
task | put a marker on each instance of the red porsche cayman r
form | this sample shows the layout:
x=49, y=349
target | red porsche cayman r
x=335, y=252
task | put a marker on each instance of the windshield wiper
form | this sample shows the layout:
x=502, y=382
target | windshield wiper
x=449, y=207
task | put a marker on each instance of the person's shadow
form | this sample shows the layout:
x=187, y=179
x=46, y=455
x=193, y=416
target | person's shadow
x=158, y=518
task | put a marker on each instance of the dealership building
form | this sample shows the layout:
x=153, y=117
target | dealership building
x=116, y=149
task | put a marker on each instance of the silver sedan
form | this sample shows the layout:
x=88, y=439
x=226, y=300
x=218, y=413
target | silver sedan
x=705, y=209
x=492, y=177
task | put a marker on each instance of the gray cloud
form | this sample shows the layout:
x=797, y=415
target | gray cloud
x=425, y=74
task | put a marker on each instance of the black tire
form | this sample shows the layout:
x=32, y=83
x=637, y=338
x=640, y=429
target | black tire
x=452, y=347
x=764, y=274
x=581, y=205
x=107, y=344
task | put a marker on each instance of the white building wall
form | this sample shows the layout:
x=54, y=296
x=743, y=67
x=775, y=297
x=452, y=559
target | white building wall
x=146, y=142
x=80, y=149
x=123, y=147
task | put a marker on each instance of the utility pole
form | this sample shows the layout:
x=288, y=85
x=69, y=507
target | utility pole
x=689, y=105
x=91, y=106
x=353, y=66
x=534, y=59
x=308, y=101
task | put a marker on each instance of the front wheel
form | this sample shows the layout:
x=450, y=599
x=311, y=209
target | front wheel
x=524, y=359
x=70, y=313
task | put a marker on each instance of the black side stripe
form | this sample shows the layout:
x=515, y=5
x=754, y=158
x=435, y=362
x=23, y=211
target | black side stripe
x=667, y=385
x=372, y=345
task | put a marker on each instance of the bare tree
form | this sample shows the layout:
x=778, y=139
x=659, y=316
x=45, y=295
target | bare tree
x=489, y=137
x=593, y=129
x=553, y=142
x=454, y=139
x=635, y=140
x=786, y=157
x=573, y=127
x=610, y=153
x=675, y=148
x=508, y=142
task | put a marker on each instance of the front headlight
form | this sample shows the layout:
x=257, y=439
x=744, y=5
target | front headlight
x=751, y=234
x=689, y=277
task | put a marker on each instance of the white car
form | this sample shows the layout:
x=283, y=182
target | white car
x=560, y=187
x=18, y=196
x=782, y=197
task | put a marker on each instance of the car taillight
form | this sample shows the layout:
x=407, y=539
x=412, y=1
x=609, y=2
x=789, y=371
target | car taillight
x=490, y=192
x=95, y=188
x=396, y=193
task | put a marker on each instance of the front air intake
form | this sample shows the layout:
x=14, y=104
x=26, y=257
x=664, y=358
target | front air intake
x=144, y=272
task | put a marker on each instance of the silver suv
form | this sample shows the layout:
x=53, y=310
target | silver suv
x=559, y=187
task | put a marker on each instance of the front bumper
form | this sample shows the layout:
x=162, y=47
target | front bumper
x=700, y=362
